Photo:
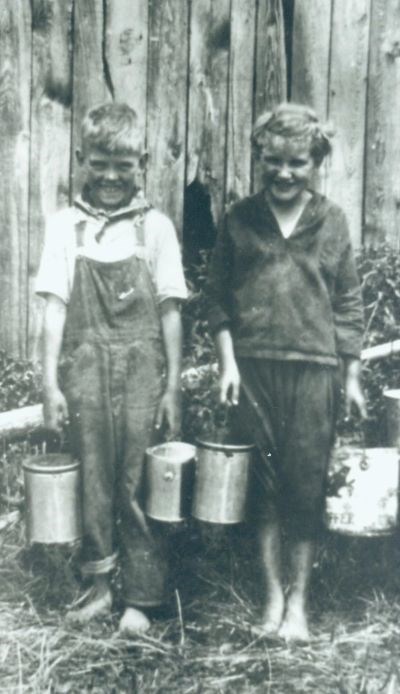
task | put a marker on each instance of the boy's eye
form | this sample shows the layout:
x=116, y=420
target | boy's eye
x=97, y=165
x=125, y=167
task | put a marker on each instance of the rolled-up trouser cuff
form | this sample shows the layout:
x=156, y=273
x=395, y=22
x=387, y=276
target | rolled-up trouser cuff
x=102, y=566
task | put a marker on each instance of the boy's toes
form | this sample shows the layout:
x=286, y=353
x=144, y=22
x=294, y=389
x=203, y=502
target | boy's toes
x=133, y=622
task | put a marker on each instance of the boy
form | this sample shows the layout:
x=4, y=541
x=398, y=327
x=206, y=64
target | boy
x=285, y=306
x=112, y=277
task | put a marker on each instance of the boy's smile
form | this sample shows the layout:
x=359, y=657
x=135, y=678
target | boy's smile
x=110, y=180
x=286, y=168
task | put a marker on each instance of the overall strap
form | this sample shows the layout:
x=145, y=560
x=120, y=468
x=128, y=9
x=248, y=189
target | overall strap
x=138, y=223
x=80, y=232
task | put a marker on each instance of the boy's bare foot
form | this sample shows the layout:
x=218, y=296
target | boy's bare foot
x=133, y=622
x=271, y=619
x=294, y=627
x=98, y=604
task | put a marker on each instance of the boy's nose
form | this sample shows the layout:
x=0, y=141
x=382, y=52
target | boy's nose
x=111, y=174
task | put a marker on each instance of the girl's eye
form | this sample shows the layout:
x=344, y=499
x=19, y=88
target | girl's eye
x=274, y=161
x=298, y=163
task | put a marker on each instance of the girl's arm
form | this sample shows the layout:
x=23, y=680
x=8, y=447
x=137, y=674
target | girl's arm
x=229, y=383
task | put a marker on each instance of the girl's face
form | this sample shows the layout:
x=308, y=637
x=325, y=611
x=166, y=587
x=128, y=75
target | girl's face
x=286, y=168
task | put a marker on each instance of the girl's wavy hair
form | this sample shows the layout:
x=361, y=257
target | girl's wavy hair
x=112, y=127
x=297, y=122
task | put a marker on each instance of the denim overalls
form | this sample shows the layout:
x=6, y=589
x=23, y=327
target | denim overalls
x=114, y=359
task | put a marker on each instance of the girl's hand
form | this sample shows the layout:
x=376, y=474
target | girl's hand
x=354, y=397
x=55, y=409
x=169, y=412
x=229, y=384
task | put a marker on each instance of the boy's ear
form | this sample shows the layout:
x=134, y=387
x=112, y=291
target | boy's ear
x=144, y=160
x=79, y=156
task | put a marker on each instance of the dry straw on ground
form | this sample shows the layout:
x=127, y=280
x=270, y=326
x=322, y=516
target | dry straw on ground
x=204, y=644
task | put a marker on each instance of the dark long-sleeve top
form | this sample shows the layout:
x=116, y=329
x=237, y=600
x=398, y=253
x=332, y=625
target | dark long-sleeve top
x=295, y=298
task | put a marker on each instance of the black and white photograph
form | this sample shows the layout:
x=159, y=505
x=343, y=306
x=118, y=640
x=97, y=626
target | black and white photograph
x=199, y=346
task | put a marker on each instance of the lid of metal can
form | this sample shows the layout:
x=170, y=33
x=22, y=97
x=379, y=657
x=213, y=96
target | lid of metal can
x=172, y=452
x=50, y=463
x=226, y=447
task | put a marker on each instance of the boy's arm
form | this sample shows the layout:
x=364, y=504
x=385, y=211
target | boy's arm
x=352, y=386
x=169, y=407
x=55, y=405
x=229, y=383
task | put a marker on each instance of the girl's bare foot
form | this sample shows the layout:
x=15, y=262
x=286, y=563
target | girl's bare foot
x=133, y=622
x=294, y=627
x=272, y=618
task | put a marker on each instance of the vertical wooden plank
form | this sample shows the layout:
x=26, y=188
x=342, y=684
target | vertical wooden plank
x=311, y=53
x=91, y=79
x=166, y=111
x=15, y=73
x=312, y=27
x=270, y=75
x=126, y=53
x=270, y=67
x=347, y=106
x=50, y=133
x=240, y=107
x=208, y=98
x=382, y=186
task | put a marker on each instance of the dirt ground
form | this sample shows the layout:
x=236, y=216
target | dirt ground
x=202, y=642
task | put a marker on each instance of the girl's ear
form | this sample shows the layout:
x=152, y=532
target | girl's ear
x=143, y=161
x=79, y=156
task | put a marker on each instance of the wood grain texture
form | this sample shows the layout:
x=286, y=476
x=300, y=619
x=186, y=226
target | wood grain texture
x=382, y=184
x=311, y=54
x=240, y=106
x=167, y=105
x=50, y=134
x=270, y=70
x=15, y=71
x=270, y=66
x=210, y=33
x=126, y=45
x=91, y=83
x=347, y=108
x=312, y=28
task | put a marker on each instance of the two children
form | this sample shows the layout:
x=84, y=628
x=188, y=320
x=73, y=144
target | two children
x=285, y=309
x=112, y=277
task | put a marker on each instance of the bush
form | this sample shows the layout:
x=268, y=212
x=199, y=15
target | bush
x=379, y=270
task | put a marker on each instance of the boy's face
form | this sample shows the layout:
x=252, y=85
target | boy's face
x=286, y=168
x=111, y=180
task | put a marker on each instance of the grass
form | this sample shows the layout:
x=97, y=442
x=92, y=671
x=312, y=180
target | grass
x=203, y=644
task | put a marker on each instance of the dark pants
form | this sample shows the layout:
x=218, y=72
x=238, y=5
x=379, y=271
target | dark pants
x=289, y=410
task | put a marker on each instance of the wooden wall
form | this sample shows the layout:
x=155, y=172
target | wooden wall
x=346, y=63
x=197, y=71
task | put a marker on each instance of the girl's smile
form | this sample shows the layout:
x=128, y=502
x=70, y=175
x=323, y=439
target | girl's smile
x=286, y=168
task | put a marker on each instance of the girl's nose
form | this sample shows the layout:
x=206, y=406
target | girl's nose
x=284, y=172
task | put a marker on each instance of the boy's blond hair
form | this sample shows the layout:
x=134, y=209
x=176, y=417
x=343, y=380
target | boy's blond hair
x=294, y=121
x=112, y=127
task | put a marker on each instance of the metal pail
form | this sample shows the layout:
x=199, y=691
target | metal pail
x=53, y=498
x=222, y=477
x=169, y=481
x=392, y=404
x=367, y=504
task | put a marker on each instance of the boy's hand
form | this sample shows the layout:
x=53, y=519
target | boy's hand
x=169, y=412
x=229, y=385
x=55, y=409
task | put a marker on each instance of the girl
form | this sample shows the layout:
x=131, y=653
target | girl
x=285, y=311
